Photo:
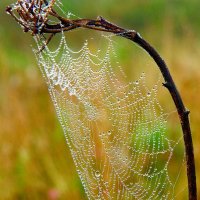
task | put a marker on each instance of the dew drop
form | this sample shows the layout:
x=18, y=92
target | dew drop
x=97, y=174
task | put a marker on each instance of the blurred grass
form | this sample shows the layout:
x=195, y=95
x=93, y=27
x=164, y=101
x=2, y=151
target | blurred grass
x=35, y=160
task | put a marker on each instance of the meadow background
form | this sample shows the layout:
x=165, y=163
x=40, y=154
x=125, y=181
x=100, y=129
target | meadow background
x=35, y=162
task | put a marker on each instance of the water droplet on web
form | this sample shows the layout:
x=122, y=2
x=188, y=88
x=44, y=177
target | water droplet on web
x=97, y=174
x=69, y=14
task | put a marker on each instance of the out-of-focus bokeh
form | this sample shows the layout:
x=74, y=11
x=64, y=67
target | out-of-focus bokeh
x=35, y=162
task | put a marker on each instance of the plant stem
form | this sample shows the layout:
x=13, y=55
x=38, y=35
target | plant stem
x=102, y=25
x=183, y=114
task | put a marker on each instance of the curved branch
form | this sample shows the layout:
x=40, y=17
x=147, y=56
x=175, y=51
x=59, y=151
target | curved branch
x=27, y=21
x=102, y=25
x=182, y=111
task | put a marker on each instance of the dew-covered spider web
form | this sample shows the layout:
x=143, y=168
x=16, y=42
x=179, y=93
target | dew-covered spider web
x=116, y=130
x=115, y=127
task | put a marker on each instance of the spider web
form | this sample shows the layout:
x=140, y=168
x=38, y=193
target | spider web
x=116, y=131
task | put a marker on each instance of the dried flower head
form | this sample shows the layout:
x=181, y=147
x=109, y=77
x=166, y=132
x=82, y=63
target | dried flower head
x=31, y=14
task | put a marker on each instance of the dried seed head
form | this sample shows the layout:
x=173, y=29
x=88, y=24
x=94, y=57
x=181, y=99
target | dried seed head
x=31, y=14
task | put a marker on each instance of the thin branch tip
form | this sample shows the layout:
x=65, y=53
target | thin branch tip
x=8, y=9
x=187, y=112
x=167, y=85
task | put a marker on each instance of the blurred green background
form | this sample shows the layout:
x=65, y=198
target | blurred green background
x=35, y=162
